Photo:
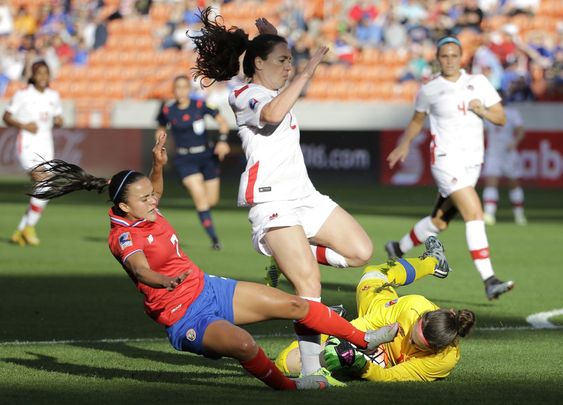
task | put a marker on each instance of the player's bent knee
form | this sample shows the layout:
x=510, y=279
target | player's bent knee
x=245, y=349
x=296, y=308
x=362, y=255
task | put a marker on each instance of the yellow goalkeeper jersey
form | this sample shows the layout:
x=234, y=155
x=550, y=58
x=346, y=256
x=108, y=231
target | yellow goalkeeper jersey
x=406, y=362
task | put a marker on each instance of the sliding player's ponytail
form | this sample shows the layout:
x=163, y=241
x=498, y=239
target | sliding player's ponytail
x=59, y=178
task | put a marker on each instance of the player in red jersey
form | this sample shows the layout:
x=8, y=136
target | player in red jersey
x=200, y=311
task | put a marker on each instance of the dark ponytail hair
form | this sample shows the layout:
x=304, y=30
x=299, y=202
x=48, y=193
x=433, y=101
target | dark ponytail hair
x=60, y=178
x=444, y=327
x=218, y=49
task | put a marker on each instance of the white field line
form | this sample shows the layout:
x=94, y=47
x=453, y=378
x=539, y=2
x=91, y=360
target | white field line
x=541, y=319
x=264, y=336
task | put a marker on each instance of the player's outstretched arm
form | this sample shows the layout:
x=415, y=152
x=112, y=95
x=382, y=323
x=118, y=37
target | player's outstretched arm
x=138, y=265
x=275, y=111
x=494, y=113
x=159, y=160
x=401, y=152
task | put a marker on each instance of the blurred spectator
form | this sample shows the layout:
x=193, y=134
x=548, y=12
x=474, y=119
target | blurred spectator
x=485, y=61
x=418, y=68
x=25, y=23
x=6, y=19
x=471, y=16
x=515, y=7
x=394, y=33
x=411, y=12
x=292, y=17
x=363, y=9
x=502, y=43
x=80, y=53
x=64, y=51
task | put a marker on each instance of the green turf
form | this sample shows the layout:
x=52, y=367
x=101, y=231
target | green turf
x=71, y=289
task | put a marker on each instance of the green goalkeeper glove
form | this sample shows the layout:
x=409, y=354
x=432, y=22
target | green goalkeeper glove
x=340, y=354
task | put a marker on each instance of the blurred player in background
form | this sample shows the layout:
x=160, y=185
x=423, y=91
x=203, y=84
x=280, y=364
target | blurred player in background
x=197, y=159
x=290, y=219
x=426, y=347
x=34, y=111
x=200, y=311
x=501, y=160
x=457, y=104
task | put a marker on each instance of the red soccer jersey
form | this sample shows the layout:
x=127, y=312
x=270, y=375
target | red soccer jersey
x=159, y=243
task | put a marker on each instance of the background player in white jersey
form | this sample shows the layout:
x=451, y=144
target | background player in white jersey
x=501, y=160
x=291, y=220
x=457, y=104
x=34, y=110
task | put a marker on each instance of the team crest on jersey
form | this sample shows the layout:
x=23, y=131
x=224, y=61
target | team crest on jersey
x=470, y=87
x=391, y=303
x=125, y=240
x=454, y=180
x=252, y=103
x=191, y=335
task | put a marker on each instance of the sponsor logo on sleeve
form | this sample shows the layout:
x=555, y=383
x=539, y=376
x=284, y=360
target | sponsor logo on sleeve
x=125, y=240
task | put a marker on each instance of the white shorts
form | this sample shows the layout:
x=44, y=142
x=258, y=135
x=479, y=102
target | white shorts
x=310, y=212
x=452, y=177
x=502, y=164
x=30, y=155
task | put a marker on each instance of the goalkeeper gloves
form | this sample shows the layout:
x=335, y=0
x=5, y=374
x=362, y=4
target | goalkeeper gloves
x=340, y=354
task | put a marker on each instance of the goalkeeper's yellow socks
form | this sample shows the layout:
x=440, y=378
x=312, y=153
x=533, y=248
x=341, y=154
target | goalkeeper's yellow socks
x=405, y=271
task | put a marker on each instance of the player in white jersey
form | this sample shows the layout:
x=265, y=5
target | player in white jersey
x=457, y=104
x=291, y=221
x=501, y=160
x=35, y=111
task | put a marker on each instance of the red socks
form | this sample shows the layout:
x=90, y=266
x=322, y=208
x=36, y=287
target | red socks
x=321, y=318
x=262, y=368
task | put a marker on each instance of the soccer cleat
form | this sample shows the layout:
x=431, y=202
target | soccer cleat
x=520, y=220
x=435, y=249
x=376, y=337
x=393, y=249
x=273, y=273
x=339, y=309
x=489, y=219
x=312, y=382
x=30, y=236
x=17, y=238
x=321, y=375
x=217, y=246
x=494, y=287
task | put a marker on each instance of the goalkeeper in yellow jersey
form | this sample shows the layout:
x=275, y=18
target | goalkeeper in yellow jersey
x=426, y=345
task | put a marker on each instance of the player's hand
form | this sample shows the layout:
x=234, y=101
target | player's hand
x=159, y=155
x=477, y=107
x=30, y=127
x=340, y=354
x=265, y=27
x=385, y=334
x=58, y=121
x=222, y=149
x=317, y=57
x=399, y=154
x=174, y=282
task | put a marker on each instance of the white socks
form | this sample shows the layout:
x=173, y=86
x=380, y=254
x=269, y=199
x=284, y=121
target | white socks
x=421, y=231
x=33, y=213
x=310, y=349
x=479, y=247
x=328, y=256
x=490, y=200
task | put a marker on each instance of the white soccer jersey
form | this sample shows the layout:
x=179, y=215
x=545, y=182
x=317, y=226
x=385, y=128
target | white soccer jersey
x=457, y=133
x=275, y=168
x=30, y=105
x=499, y=138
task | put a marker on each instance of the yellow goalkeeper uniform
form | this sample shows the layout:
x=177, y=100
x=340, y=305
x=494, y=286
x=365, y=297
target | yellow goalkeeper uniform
x=378, y=305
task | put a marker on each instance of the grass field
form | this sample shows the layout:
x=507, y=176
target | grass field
x=73, y=328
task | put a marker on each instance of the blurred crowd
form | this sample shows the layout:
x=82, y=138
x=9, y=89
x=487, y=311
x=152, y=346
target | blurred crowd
x=524, y=65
